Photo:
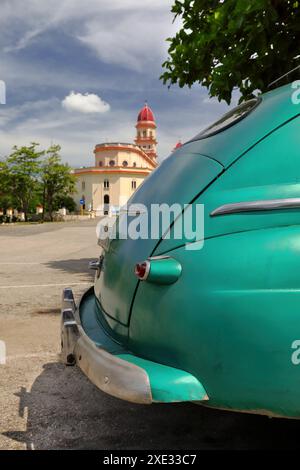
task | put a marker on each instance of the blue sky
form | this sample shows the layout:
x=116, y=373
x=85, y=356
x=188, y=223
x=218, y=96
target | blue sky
x=77, y=73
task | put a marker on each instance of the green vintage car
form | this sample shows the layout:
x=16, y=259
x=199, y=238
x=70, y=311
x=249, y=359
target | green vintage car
x=218, y=325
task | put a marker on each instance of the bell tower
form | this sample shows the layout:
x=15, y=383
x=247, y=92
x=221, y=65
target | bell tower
x=146, y=132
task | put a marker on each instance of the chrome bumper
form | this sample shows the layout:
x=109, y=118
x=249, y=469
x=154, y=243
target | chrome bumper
x=121, y=373
x=109, y=373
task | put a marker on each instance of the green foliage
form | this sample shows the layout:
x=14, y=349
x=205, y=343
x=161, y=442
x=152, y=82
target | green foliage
x=64, y=201
x=29, y=177
x=21, y=172
x=7, y=198
x=6, y=201
x=56, y=178
x=227, y=44
x=4, y=197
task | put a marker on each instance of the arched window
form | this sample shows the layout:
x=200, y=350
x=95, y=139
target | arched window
x=133, y=184
x=112, y=163
x=125, y=163
x=106, y=204
x=144, y=133
x=100, y=163
x=134, y=164
x=106, y=184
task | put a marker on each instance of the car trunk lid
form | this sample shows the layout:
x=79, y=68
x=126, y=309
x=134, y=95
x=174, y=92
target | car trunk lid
x=178, y=180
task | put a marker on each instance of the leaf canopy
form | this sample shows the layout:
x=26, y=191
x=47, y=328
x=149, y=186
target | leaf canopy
x=228, y=44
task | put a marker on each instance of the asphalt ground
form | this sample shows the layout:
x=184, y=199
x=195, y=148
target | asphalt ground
x=45, y=405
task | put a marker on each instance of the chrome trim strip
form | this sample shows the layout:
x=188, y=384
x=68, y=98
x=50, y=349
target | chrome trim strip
x=97, y=265
x=260, y=205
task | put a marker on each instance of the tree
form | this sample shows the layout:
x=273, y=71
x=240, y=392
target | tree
x=6, y=199
x=64, y=201
x=56, y=177
x=227, y=44
x=3, y=178
x=20, y=173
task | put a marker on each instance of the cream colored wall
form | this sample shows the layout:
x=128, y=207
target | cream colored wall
x=145, y=133
x=150, y=132
x=120, y=189
x=119, y=156
x=113, y=191
x=126, y=190
x=87, y=192
x=94, y=189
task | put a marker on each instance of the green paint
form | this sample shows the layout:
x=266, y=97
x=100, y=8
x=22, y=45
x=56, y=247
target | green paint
x=169, y=384
x=117, y=283
x=164, y=271
x=95, y=325
x=232, y=318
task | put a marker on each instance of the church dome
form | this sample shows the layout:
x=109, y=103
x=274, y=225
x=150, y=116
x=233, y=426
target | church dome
x=146, y=114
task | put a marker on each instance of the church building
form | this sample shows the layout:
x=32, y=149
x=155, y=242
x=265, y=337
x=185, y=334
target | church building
x=119, y=168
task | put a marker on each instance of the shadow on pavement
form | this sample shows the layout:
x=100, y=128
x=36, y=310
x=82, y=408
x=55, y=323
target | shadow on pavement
x=65, y=411
x=73, y=266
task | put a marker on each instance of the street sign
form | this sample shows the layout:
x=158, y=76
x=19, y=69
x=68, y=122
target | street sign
x=82, y=201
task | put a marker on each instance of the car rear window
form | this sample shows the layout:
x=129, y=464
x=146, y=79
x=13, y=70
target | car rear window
x=229, y=119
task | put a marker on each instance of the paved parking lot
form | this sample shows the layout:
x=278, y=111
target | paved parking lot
x=44, y=405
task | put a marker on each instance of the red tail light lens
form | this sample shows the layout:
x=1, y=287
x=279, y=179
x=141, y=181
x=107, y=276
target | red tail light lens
x=141, y=270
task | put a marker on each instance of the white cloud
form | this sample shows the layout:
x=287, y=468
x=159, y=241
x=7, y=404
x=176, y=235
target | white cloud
x=137, y=43
x=125, y=33
x=47, y=122
x=119, y=32
x=85, y=103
